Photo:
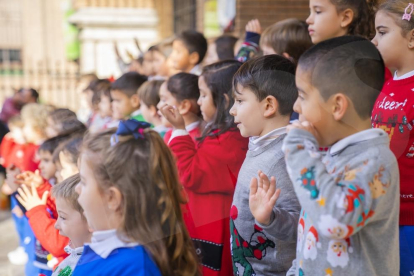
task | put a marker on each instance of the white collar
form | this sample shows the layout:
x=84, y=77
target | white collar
x=104, y=242
x=161, y=128
x=356, y=138
x=405, y=76
x=257, y=142
x=196, y=70
x=74, y=251
x=192, y=126
x=136, y=113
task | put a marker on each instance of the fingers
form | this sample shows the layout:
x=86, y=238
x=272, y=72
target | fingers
x=44, y=197
x=22, y=201
x=23, y=192
x=272, y=185
x=274, y=197
x=253, y=186
x=265, y=183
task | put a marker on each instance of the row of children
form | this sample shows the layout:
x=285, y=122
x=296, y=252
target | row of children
x=207, y=194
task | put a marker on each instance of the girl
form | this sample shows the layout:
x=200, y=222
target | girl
x=209, y=171
x=333, y=18
x=393, y=110
x=182, y=92
x=130, y=195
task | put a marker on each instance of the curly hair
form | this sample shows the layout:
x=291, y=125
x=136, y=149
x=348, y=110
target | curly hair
x=36, y=115
x=144, y=172
x=364, y=16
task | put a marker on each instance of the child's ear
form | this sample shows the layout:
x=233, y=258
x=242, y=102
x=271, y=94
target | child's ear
x=340, y=106
x=184, y=107
x=411, y=39
x=113, y=199
x=347, y=17
x=271, y=106
x=135, y=102
x=194, y=58
x=286, y=55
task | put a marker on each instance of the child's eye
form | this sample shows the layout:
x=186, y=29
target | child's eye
x=239, y=101
x=381, y=33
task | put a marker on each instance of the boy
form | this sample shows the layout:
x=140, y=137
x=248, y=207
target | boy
x=125, y=100
x=71, y=223
x=189, y=49
x=264, y=91
x=350, y=197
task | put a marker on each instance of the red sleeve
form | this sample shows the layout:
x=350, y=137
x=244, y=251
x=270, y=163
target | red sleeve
x=5, y=149
x=43, y=226
x=214, y=166
x=167, y=136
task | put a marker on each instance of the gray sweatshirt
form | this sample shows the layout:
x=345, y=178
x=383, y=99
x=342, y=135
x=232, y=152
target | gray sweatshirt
x=350, y=200
x=257, y=249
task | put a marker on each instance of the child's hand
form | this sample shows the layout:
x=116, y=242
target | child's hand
x=30, y=199
x=305, y=125
x=30, y=178
x=173, y=116
x=253, y=26
x=263, y=197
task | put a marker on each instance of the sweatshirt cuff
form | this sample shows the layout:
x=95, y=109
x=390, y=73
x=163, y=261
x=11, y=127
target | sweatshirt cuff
x=271, y=221
x=35, y=210
x=253, y=37
x=176, y=133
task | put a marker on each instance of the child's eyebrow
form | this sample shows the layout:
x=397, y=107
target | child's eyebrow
x=381, y=27
x=301, y=90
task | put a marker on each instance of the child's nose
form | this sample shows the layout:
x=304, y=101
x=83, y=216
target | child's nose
x=232, y=111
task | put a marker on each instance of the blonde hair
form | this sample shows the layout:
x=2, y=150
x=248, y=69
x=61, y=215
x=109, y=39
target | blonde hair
x=289, y=36
x=36, y=115
x=396, y=8
x=66, y=190
x=16, y=121
x=144, y=171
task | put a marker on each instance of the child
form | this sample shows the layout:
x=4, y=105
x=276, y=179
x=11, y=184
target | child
x=289, y=37
x=66, y=157
x=124, y=175
x=125, y=100
x=209, y=169
x=148, y=93
x=264, y=94
x=350, y=196
x=71, y=223
x=393, y=112
x=222, y=48
x=55, y=120
x=105, y=109
x=99, y=119
x=182, y=92
x=189, y=49
x=334, y=18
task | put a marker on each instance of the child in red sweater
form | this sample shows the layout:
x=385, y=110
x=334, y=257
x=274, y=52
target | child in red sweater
x=393, y=110
x=182, y=92
x=209, y=169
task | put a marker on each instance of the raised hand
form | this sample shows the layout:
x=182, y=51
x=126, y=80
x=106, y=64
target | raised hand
x=172, y=114
x=30, y=178
x=30, y=198
x=263, y=197
x=254, y=26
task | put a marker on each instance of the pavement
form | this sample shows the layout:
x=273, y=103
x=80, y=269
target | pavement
x=8, y=242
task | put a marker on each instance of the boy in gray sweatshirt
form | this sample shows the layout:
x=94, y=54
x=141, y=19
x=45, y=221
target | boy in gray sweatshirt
x=350, y=197
x=264, y=92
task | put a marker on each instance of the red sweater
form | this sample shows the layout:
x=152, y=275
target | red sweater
x=23, y=156
x=209, y=175
x=394, y=113
x=43, y=225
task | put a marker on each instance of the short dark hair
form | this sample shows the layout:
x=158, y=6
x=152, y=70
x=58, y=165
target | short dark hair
x=50, y=145
x=184, y=86
x=66, y=190
x=149, y=92
x=225, y=47
x=129, y=83
x=70, y=147
x=194, y=42
x=218, y=78
x=270, y=75
x=33, y=92
x=60, y=115
x=350, y=65
x=73, y=127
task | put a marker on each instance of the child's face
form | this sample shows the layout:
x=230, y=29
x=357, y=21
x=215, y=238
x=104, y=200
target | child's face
x=46, y=166
x=248, y=112
x=17, y=134
x=32, y=134
x=105, y=107
x=67, y=167
x=122, y=106
x=389, y=40
x=166, y=98
x=148, y=113
x=148, y=64
x=180, y=57
x=158, y=61
x=313, y=108
x=71, y=224
x=52, y=129
x=205, y=101
x=324, y=21
x=92, y=199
